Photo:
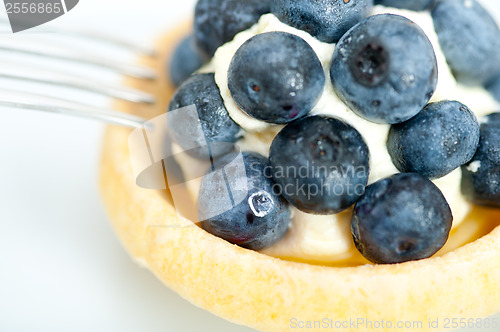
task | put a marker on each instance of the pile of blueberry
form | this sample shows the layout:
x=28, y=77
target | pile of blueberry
x=385, y=70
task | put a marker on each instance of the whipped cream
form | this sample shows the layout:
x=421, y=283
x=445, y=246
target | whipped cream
x=328, y=238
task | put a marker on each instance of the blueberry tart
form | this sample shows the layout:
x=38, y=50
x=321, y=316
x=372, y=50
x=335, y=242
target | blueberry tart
x=342, y=165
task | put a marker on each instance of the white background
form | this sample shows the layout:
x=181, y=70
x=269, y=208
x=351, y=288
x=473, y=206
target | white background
x=61, y=266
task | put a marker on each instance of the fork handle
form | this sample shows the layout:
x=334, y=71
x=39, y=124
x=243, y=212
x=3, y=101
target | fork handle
x=31, y=101
x=133, y=70
x=33, y=74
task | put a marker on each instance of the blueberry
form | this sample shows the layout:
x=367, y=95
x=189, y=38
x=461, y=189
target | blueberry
x=327, y=20
x=320, y=164
x=401, y=218
x=276, y=77
x=217, y=127
x=384, y=69
x=417, y=5
x=481, y=177
x=185, y=61
x=259, y=218
x=494, y=87
x=217, y=21
x=441, y=138
x=470, y=40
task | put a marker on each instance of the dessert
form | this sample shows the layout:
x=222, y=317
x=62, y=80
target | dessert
x=223, y=277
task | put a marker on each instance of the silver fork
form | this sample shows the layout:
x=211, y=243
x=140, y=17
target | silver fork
x=32, y=73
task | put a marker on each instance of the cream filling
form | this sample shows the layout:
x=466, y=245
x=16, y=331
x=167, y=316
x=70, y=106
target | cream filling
x=328, y=238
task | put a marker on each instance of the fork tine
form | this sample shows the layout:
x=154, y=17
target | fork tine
x=133, y=70
x=29, y=101
x=109, y=39
x=98, y=36
x=59, y=51
x=33, y=74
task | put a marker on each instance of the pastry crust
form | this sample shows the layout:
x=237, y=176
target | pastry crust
x=271, y=294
